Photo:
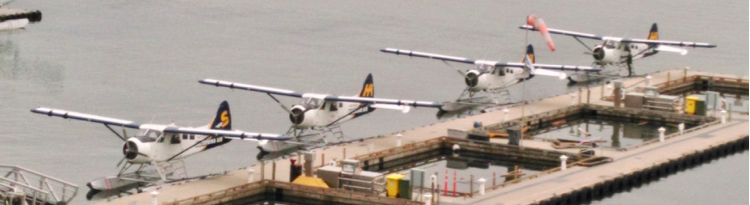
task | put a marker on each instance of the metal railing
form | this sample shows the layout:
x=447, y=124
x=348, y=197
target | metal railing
x=37, y=187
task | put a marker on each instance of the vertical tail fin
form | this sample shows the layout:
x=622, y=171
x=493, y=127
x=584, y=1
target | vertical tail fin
x=654, y=33
x=368, y=89
x=529, y=54
x=223, y=120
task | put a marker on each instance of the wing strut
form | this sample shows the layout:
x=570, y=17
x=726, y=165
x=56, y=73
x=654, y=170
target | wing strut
x=347, y=114
x=584, y=45
x=186, y=149
x=279, y=102
x=113, y=131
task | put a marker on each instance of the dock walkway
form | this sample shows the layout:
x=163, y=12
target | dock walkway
x=522, y=193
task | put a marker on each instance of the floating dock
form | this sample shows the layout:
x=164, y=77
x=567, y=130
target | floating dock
x=583, y=178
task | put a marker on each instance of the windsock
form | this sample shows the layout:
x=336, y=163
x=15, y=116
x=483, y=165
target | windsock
x=538, y=23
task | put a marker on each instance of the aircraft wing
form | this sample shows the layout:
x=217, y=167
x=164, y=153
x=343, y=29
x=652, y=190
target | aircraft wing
x=228, y=133
x=255, y=88
x=623, y=40
x=430, y=56
x=411, y=103
x=485, y=62
x=564, y=32
x=552, y=67
x=85, y=117
x=670, y=43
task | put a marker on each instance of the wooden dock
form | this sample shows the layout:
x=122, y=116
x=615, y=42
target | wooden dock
x=541, y=189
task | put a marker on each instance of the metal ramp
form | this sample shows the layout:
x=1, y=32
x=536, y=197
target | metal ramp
x=21, y=184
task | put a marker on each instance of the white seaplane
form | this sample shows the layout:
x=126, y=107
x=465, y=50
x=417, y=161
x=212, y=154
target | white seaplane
x=325, y=113
x=495, y=77
x=163, y=146
x=621, y=52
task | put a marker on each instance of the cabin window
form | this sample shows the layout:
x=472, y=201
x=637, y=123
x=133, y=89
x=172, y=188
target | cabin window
x=341, y=104
x=175, y=139
x=160, y=140
x=184, y=136
x=192, y=136
x=333, y=107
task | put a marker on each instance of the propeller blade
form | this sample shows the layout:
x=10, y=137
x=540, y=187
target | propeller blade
x=588, y=53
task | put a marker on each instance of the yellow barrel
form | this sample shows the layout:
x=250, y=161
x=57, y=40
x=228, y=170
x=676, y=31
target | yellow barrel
x=690, y=104
x=392, y=184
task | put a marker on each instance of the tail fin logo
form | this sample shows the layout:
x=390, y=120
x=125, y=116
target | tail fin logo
x=368, y=90
x=531, y=57
x=224, y=119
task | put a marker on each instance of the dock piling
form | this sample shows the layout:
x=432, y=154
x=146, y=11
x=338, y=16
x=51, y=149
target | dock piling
x=428, y=199
x=398, y=139
x=563, y=162
x=681, y=127
x=648, y=80
x=723, y=116
x=661, y=134
x=481, y=186
x=154, y=194
x=250, y=173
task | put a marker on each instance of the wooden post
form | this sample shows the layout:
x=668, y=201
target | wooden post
x=684, y=75
x=493, y=180
x=322, y=159
x=471, y=186
x=344, y=153
x=668, y=78
x=273, y=171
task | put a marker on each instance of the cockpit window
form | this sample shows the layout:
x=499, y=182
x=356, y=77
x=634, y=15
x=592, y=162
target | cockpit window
x=611, y=44
x=312, y=103
x=160, y=140
x=153, y=134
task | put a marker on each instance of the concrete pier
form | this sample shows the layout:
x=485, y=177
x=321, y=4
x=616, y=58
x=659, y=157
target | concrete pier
x=546, y=187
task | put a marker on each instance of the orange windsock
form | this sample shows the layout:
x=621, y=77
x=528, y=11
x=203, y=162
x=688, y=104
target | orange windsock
x=538, y=24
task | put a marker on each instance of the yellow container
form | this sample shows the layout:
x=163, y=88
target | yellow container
x=391, y=182
x=690, y=104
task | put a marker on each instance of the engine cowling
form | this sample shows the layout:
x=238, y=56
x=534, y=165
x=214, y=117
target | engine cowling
x=476, y=81
x=605, y=55
x=299, y=117
x=136, y=152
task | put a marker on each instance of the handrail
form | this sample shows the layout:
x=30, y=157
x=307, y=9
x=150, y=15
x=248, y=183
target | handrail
x=53, y=189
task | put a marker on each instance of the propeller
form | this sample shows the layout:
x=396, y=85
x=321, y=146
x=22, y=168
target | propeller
x=471, y=78
x=125, y=150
